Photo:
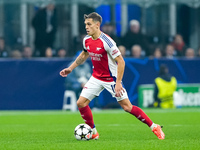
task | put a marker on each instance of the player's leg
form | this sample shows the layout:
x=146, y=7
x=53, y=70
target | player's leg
x=90, y=91
x=126, y=104
x=86, y=114
x=134, y=110
x=142, y=116
x=85, y=111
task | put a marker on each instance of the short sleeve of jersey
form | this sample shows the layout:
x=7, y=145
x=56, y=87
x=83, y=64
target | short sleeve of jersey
x=111, y=48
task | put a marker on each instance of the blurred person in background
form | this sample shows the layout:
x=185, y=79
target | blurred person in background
x=109, y=29
x=49, y=52
x=136, y=51
x=179, y=45
x=4, y=50
x=77, y=79
x=77, y=42
x=190, y=53
x=157, y=52
x=16, y=54
x=122, y=49
x=62, y=53
x=45, y=25
x=135, y=37
x=27, y=52
x=164, y=87
x=198, y=52
x=169, y=51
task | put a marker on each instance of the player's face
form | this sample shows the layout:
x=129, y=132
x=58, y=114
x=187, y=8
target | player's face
x=91, y=26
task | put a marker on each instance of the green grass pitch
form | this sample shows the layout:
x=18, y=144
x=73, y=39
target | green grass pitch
x=53, y=130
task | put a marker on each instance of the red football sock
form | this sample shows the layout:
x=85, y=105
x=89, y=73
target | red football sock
x=86, y=114
x=140, y=114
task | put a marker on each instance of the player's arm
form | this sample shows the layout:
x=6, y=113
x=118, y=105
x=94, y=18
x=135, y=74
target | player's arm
x=79, y=60
x=120, y=72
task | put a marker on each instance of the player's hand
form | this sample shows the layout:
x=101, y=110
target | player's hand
x=119, y=90
x=65, y=72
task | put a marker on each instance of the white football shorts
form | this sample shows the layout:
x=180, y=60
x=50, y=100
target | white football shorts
x=94, y=87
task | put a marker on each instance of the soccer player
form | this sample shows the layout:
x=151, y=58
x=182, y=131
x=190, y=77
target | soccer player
x=108, y=70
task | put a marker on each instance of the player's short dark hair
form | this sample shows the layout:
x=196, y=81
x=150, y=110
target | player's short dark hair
x=95, y=16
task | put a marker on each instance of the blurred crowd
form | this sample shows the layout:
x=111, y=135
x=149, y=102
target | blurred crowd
x=44, y=24
x=133, y=44
x=27, y=52
x=137, y=45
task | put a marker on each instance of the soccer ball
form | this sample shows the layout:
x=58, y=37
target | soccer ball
x=83, y=132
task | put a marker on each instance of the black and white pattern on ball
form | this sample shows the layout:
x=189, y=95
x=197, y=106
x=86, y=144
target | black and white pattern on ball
x=83, y=132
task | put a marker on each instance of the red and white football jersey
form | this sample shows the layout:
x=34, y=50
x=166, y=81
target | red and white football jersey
x=102, y=51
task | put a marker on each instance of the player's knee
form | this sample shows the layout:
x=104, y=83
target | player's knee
x=127, y=108
x=80, y=104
